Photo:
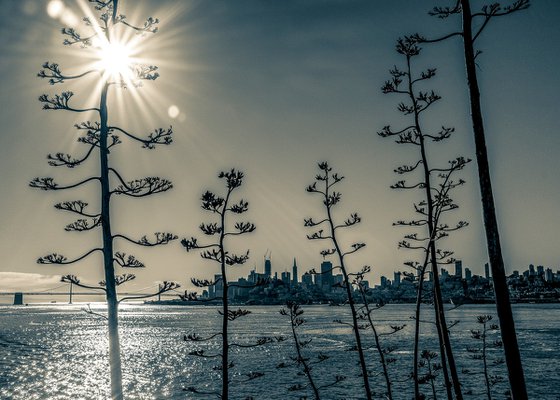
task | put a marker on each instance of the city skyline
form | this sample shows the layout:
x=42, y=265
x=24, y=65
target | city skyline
x=527, y=285
x=272, y=89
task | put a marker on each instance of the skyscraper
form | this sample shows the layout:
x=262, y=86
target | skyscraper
x=384, y=281
x=218, y=286
x=459, y=268
x=549, y=276
x=307, y=279
x=326, y=275
x=294, y=272
x=267, y=267
x=468, y=274
x=285, y=276
x=397, y=280
x=487, y=271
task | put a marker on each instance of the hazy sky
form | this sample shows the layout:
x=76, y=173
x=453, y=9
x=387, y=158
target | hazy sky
x=272, y=87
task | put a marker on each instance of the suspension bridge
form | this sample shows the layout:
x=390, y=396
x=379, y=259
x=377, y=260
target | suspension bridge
x=140, y=294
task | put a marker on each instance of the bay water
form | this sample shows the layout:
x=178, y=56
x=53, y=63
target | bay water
x=60, y=352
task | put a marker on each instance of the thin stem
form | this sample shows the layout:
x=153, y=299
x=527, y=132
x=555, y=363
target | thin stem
x=225, y=305
x=348, y=287
x=438, y=302
x=503, y=305
x=377, y=343
x=301, y=359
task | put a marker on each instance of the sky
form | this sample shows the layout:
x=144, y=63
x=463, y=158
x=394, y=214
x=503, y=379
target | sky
x=272, y=88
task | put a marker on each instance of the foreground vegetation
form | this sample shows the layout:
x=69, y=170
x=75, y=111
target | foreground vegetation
x=434, y=371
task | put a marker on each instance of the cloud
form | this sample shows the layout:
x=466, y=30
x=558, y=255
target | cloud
x=21, y=281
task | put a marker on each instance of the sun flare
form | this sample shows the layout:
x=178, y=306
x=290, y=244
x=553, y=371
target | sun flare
x=115, y=60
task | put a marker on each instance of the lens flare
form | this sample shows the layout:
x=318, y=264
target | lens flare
x=55, y=8
x=173, y=111
x=115, y=61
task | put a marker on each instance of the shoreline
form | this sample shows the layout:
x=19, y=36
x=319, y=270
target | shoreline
x=218, y=303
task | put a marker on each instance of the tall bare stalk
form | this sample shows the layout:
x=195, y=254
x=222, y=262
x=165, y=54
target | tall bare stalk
x=473, y=25
x=323, y=186
x=99, y=136
x=436, y=183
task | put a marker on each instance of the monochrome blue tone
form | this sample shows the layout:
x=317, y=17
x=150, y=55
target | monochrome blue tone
x=59, y=352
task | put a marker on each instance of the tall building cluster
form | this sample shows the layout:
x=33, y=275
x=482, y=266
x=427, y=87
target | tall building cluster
x=535, y=283
x=325, y=284
x=322, y=281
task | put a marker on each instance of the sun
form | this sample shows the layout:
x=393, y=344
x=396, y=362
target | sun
x=115, y=60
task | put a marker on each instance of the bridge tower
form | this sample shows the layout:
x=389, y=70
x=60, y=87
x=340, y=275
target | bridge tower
x=18, y=299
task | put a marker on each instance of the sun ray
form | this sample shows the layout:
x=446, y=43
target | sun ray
x=114, y=59
x=117, y=55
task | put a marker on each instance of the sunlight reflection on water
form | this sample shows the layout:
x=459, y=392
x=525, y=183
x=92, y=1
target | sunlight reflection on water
x=60, y=352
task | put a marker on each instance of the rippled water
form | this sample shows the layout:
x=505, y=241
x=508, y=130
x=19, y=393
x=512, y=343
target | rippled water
x=60, y=352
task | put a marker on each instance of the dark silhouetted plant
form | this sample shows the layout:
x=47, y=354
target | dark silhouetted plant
x=481, y=353
x=431, y=367
x=323, y=186
x=365, y=314
x=295, y=313
x=218, y=252
x=436, y=183
x=473, y=24
x=101, y=137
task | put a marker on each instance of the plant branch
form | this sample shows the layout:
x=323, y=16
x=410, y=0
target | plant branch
x=59, y=259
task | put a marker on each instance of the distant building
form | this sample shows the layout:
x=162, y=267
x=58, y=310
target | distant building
x=241, y=290
x=534, y=282
x=549, y=276
x=444, y=274
x=217, y=289
x=307, y=279
x=267, y=268
x=326, y=275
x=18, y=299
x=487, y=271
x=397, y=280
x=338, y=279
x=255, y=277
x=286, y=277
x=459, y=268
x=468, y=274
x=384, y=282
